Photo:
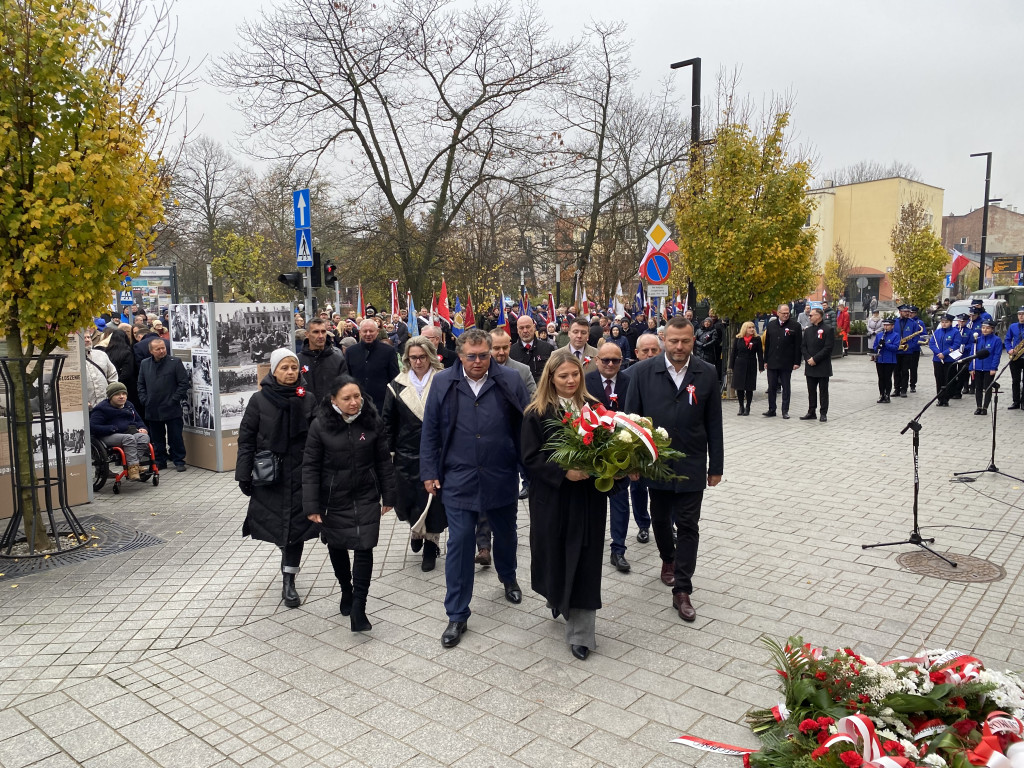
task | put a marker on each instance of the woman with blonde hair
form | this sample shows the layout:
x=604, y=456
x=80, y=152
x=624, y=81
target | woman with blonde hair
x=567, y=512
x=746, y=361
x=404, y=401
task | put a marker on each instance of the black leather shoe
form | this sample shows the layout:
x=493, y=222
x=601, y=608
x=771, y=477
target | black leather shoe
x=979, y=411
x=513, y=593
x=580, y=652
x=913, y=388
x=903, y=394
x=785, y=415
x=525, y=492
x=179, y=467
x=288, y=594
x=430, y=553
x=643, y=535
x=823, y=417
x=619, y=561
x=808, y=417
x=1014, y=407
x=453, y=634
x=416, y=545
x=769, y=414
x=881, y=399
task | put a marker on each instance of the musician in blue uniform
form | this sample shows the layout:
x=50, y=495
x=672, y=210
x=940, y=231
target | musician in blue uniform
x=1015, y=338
x=963, y=373
x=984, y=371
x=944, y=340
x=978, y=316
x=886, y=344
x=915, y=347
x=909, y=330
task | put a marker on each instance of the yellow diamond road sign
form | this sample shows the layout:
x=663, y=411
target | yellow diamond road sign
x=658, y=234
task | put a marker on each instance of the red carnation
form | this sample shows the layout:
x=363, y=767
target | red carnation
x=819, y=752
x=963, y=728
x=808, y=726
x=937, y=677
x=894, y=748
x=864, y=698
x=588, y=438
x=852, y=759
x=566, y=417
x=823, y=736
x=957, y=702
x=820, y=674
x=825, y=722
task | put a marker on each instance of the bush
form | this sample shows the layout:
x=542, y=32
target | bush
x=858, y=328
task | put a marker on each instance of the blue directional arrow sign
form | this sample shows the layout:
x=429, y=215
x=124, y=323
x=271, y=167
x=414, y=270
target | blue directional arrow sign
x=303, y=228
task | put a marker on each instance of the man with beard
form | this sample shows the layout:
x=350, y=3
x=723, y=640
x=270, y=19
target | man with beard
x=529, y=350
x=320, y=363
x=782, y=341
x=372, y=363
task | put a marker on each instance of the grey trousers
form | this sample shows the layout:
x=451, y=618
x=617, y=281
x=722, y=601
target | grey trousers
x=579, y=627
x=135, y=447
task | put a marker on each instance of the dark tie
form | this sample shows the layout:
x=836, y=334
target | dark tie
x=579, y=355
x=608, y=388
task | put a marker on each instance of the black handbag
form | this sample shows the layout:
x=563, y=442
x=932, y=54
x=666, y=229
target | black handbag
x=266, y=468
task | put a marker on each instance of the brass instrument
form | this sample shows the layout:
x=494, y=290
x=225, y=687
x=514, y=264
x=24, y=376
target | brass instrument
x=1018, y=350
x=904, y=341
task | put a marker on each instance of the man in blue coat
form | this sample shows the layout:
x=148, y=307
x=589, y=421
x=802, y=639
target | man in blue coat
x=470, y=454
x=680, y=393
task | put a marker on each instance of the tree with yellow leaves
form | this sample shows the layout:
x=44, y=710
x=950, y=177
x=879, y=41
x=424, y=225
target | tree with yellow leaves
x=919, y=260
x=740, y=214
x=80, y=195
x=837, y=269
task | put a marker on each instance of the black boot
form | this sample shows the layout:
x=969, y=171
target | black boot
x=288, y=593
x=346, y=599
x=359, y=622
x=430, y=553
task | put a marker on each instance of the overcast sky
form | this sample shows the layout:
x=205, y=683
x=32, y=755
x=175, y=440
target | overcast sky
x=923, y=82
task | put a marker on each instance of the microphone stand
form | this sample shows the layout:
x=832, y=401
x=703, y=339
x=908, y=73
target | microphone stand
x=960, y=477
x=915, y=537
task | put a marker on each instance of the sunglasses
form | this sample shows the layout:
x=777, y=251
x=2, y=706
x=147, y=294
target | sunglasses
x=476, y=358
x=610, y=360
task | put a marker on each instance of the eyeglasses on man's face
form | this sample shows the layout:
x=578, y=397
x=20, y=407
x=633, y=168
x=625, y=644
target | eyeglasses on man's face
x=475, y=358
x=611, y=360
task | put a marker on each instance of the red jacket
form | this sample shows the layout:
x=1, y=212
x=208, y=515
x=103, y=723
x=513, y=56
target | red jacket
x=843, y=320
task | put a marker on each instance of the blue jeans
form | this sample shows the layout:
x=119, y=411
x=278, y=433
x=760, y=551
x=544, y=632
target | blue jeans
x=638, y=493
x=618, y=520
x=458, y=563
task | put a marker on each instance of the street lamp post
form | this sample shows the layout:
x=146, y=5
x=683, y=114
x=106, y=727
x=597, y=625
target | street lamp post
x=694, y=101
x=984, y=216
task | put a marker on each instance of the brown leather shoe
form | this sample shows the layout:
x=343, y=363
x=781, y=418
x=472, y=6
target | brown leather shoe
x=668, y=574
x=483, y=557
x=681, y=602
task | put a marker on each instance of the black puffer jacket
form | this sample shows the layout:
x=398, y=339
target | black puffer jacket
x=275, y=511
x=346, y=472
x=320, y=369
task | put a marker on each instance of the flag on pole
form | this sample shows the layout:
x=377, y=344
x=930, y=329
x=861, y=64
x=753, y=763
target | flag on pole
x=442, y=303
x=522, y=306
x=584, y=308
x=394, y=297
x=639, y=301
x=680, y=307
x=458, y=323
x=960, y=262
x=412, y=322
x=470, y=320
x=360, y=305
x=551, y=308
x=433, y=309
x=502, y=318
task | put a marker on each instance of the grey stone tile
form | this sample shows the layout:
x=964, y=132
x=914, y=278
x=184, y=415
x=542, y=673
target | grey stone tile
x=189, y=752
x=89, y=740
x=25, y=748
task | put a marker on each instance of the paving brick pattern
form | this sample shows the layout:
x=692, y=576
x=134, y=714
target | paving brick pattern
x=183, y=655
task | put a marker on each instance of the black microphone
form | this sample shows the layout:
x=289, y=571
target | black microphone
x=981, y=354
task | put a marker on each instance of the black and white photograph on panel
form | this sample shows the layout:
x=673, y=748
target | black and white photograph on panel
x=202, y=371
x=190, y=326
x=232, y=408
x=248, y=333
x=202, y=409
x=238, y=379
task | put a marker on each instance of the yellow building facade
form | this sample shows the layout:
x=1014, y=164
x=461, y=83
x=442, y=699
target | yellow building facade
x=860, y=217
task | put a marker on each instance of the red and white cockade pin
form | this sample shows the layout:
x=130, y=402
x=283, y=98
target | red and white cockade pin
x=305, y=369
x=300, y=391
x=692, y=390
x=821, y=334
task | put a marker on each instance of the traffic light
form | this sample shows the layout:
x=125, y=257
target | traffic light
x=314, y=271
x=330, y=273
x=293, y=280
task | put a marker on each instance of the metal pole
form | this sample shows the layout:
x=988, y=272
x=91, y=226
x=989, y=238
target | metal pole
x=310, y=308
x=209, y=283
x=695, y=99
x=558, y=285
x=984, y=217
x=337, y=297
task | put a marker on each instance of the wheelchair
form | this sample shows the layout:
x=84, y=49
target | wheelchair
x=103, y=456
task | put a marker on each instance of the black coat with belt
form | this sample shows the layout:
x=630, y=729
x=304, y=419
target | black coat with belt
x=746, y=363
x=595, y=386
x=782, y=344
x=567, y=524
x=275, y=511
x=693, y=419
x=346, y=472
x=818, y=342
x=373, y=366
x=403, y=423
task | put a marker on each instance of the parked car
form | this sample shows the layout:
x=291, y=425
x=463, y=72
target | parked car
x=998, y=308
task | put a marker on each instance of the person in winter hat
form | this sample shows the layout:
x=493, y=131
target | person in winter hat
x=116, y=422
x=277, y=419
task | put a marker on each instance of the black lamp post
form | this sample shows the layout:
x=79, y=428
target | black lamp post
x=695, y=100
x=984, y=216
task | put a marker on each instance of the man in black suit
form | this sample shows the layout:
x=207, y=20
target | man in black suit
x=680, y=393
x=372, y=363
x=782, y=339
x=530, y=350
x=433, y=334
x=817, y=353
x=609, y=384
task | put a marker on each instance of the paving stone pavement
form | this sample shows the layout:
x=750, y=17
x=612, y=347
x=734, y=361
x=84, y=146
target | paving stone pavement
x=183, y=655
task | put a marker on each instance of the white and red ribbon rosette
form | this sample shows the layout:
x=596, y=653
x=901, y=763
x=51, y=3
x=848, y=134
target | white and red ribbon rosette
x=593, y=417
x=692, y=392
x=859, y=731
x=989, y=752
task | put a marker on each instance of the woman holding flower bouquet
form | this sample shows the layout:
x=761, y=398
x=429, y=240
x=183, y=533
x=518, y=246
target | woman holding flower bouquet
x=567, y=512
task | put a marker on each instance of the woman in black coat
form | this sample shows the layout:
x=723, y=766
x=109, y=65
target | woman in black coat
x=277, y=419
x=346, y=471
x=705, y=341
x=567, y=512
x=746, y=362
x=404, y=402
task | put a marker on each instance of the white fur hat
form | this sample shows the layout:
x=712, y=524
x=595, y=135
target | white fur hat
x=278, y=355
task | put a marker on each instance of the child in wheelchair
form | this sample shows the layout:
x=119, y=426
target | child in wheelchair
x=116, y=423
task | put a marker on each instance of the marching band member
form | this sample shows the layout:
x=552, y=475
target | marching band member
x=1014, y=343
x=984, y=371
x=887, y=343
x=909, y=329
x=978, y=315
x=944, y=340
x=966, y=343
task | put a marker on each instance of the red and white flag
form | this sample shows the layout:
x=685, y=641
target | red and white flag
x=960, y=262
x=442, y=303
x=551, y=308
x=394, y=297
